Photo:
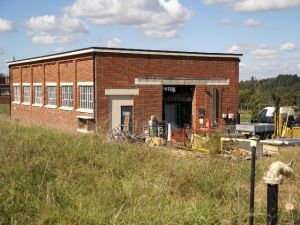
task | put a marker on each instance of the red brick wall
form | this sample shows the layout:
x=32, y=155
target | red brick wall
x=26, y=74
x=85, y=70
x=4, y=99
x=38, y=74
x=51, y=72
x=62, y=70
x=120, y=70
x=45, y=117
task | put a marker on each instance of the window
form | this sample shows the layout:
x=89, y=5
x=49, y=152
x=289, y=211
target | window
x=67, y=96
x=17, y=93
x=86, y=97
x=38, y=94
x=27, y=95
x=51, y=95
x=4, y=91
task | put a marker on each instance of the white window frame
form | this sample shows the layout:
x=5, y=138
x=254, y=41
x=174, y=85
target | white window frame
x=52, y=97
x=26, y=98
x=17, y=94
x=38, y=94
x=67, y=97
x=86, y=97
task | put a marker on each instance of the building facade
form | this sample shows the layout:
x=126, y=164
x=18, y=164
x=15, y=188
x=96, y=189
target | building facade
x=4, y=90
x=107, y=87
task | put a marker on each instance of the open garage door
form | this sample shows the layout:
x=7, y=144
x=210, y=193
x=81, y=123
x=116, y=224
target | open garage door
x=177, y=105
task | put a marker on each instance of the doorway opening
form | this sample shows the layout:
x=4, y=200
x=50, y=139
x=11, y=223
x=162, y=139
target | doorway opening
x=126, y=118
x=177, y=105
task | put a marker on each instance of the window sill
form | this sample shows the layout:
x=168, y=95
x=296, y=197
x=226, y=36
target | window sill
x=37, y=105
x=14, y=102
x=85, y=110
x=66, y=108
x=25, y=103
x=51, y=106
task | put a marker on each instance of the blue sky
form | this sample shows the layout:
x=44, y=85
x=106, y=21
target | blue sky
x=266, y=32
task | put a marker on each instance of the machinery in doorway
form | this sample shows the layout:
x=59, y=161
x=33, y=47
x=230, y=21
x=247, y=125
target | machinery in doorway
x=177, y=105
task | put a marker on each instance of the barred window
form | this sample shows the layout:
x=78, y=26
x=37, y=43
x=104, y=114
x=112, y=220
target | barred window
x=86, y=97
x=67, y=96
x=27, y=95
x=51, y=95
x=38, y=94
x=17, y=93
x=4, y=91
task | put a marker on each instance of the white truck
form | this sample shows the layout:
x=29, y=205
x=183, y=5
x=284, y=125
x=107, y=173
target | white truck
x=265, y=126
x=266, y=115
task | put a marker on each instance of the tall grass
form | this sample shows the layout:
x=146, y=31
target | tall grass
x=4, y=109
x=52, y=177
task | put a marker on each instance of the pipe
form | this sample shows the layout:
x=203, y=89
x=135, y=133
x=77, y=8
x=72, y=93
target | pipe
x=95, y=88
x=272, y=204
x=169, y=132
x=273, y=178
x=252, y=180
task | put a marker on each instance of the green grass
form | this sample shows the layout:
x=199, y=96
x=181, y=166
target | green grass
x=4, y=109
x=245, y=116
x=52, y=177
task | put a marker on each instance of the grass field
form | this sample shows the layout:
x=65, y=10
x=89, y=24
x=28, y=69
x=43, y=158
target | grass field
x=52, y=177
x=245, y=116
x=4, y=109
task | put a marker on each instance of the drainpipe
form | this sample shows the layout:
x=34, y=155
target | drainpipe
x=95, y=87
x=273, y=178
x=10, y=90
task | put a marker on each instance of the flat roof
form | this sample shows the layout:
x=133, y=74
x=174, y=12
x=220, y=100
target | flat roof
x=124, y=51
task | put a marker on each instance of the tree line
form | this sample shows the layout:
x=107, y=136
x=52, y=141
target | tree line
x=287, y=86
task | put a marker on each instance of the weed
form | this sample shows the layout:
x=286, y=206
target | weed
x=49, y=176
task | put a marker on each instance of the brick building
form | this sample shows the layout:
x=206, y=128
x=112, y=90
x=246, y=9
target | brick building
x=109, y=87
x=4, y=90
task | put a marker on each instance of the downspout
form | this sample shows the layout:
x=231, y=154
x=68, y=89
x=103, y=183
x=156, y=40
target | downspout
x=10, y=90
x=95, y=87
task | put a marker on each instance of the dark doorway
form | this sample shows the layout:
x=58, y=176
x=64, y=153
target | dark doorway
x=126, y=118
x=177, y=105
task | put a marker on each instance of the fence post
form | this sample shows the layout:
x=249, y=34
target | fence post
x=252, y=181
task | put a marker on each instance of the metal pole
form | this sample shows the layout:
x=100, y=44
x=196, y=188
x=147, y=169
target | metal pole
x=252, y=182
x=272, y=204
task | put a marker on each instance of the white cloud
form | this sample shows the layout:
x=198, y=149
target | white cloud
x=58, y=50
x=114, y=43
x=161, y=35
x=298, y=66
x=256, y=5
x=264, y=52
x=5, y=25
x=258, y=51
x=209, y=2
x=251, y=23
x=47, y=38
x=259, y=5
x=226, y=21
x=50, y=23
x=243, y=65
x=235, y=49
x=288, y=46
x=48, y=29
x=42, y=23
x=158, y=18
